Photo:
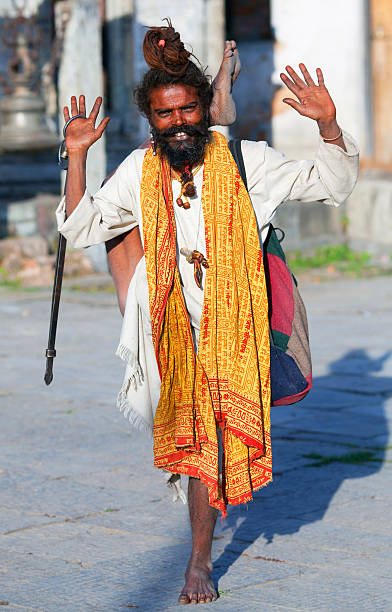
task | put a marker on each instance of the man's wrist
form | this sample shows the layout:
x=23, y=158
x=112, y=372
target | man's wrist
x=77, y=155
x=329, y=129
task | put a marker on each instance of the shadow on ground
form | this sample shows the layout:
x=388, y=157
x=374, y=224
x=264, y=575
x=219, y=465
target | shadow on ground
x=338, y=433
x=323, y=446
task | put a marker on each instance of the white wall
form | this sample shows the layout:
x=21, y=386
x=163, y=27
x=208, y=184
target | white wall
x=81, y=73
x=333, y=36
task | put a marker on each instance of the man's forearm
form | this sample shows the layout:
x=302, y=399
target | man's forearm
x=76, y=180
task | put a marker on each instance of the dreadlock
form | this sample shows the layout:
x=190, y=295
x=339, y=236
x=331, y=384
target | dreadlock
x=169, y=64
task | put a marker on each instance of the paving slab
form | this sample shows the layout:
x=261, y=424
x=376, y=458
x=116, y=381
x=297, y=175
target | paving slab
x=87, y=523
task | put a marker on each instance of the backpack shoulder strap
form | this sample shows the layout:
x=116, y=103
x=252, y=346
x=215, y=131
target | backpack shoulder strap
x=236, y=151
x=271, y=242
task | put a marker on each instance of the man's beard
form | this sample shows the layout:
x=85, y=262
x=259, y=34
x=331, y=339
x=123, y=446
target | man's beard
x=183, y=153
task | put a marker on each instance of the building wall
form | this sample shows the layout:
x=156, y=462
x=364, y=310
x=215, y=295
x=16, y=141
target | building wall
x=334, y=36
x=351, y=41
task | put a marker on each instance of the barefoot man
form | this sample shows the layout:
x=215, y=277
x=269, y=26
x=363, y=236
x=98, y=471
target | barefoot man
x=195, y=336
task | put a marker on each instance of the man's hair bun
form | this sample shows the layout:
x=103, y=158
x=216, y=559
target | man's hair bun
x=172, y=57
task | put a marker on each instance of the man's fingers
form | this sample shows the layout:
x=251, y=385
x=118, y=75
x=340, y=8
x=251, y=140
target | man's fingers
x=95, y=109
x=82, y=105
x=100, y=129
x=66, y=114
x=298, y=107
x=320, y=76
x=74, y=106
x=307, y=77
x=290, y=85
x=297, y=80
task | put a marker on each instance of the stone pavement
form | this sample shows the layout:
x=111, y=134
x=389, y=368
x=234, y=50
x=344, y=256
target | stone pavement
x=88, y=525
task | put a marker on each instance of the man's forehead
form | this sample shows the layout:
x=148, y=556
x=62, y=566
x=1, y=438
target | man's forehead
x=173, y=96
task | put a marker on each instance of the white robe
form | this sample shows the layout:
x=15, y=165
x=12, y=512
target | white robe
x=272, y=179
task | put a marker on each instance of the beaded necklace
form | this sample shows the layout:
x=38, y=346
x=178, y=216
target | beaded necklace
x=188, y=189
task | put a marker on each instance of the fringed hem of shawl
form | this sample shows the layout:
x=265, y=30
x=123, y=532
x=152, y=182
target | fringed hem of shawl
x=125, y=353
x=131, y=413
x=134, y=378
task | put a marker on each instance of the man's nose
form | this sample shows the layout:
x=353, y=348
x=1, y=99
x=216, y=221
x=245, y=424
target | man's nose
x=177, y=117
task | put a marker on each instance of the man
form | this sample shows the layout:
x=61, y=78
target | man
x=125, y=251
x=195, y=333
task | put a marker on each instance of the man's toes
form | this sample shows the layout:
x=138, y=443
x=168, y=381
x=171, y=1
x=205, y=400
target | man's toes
x=183, y=599
x=194, y=598
x=202, y=598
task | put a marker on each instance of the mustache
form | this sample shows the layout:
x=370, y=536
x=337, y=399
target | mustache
x=191, y=130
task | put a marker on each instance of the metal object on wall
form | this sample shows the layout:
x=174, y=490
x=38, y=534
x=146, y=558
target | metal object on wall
x=23, y=121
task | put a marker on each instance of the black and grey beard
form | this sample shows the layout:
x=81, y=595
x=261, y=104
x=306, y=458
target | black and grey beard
x=183, y=153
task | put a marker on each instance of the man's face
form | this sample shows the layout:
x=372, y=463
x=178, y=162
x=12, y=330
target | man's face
x=178, y=124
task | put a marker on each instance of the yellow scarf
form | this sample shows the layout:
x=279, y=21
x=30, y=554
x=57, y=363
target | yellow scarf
x=228, y=382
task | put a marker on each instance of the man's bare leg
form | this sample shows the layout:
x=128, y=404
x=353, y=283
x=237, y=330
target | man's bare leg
x=124, y=253
x=199, y=587
x=222, y=109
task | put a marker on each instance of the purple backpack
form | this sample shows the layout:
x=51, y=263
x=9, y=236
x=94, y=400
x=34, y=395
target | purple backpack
x=291, y=364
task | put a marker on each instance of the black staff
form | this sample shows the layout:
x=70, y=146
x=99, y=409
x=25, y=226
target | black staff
x=50, y=352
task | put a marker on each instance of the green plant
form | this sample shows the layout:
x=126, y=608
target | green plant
x=5, y=280
x=340, y=256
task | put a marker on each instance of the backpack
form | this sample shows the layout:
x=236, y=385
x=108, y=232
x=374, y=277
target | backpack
x=290, y=364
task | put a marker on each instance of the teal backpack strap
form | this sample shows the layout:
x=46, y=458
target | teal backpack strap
x=236, y=151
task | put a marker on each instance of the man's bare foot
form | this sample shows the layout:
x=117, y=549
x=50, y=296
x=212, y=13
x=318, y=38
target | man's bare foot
x=222, y=109
x=198, y=587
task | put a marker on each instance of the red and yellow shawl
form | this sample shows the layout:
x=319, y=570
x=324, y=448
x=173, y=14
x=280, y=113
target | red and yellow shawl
x=227, y=383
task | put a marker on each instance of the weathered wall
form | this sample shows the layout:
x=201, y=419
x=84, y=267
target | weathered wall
x=118, y=57
x=334, y=36
x=80, y=72
x=369, y=214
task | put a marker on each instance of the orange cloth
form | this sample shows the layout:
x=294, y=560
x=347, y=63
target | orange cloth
x=228, y=381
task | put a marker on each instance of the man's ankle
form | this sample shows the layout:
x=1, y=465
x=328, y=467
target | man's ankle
x=201, y=559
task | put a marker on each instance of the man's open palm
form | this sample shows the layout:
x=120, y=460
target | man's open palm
x=82, y=133
x=314, y=100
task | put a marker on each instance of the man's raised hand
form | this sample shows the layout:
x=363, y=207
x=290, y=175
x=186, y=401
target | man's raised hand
x=82, y=133
x=314, y=100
